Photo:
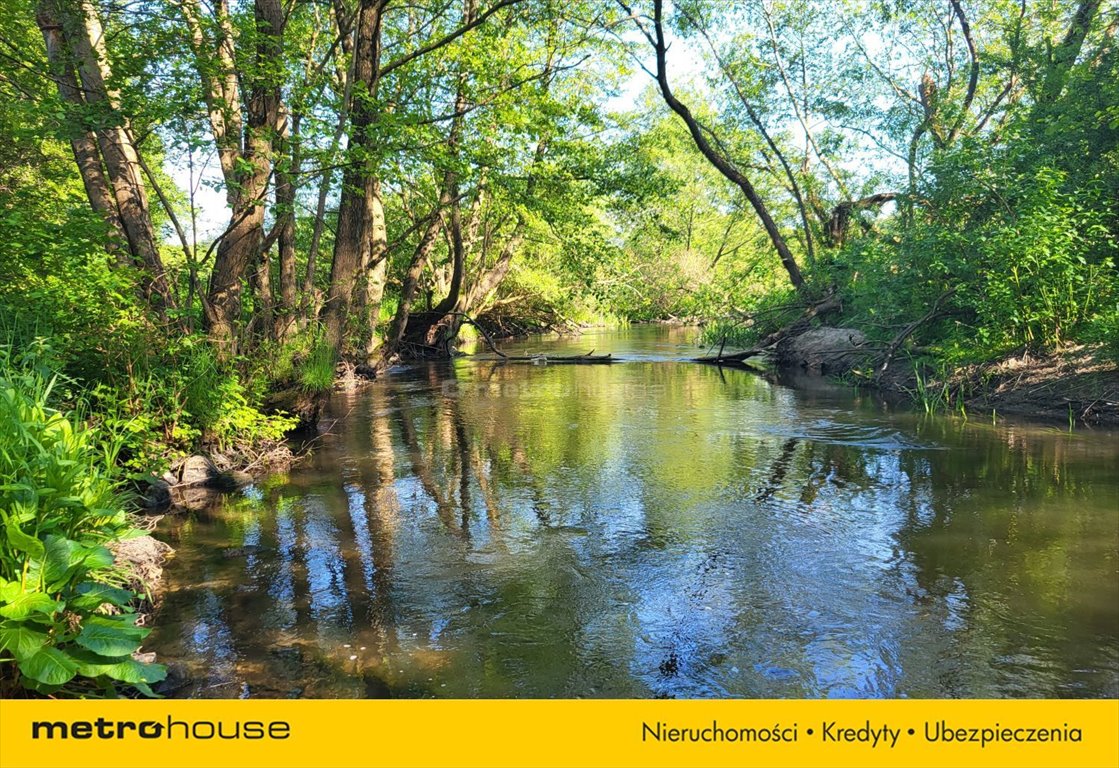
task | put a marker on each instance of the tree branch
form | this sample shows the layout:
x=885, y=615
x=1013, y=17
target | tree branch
x=449, y=38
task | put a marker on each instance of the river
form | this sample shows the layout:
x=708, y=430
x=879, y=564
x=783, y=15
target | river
x=652, y=528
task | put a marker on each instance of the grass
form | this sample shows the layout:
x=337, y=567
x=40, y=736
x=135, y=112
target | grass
x=316, y=372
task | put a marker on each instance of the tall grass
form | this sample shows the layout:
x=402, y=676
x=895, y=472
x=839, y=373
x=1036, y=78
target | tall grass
x=316, y=372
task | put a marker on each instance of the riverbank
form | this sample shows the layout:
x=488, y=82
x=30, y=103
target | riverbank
x=1076, y=386
x=1072, y=384
x=78, y=577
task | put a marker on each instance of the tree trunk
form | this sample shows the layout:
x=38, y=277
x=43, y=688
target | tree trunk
x=839, y=223
x=412, y=278
x=244, y=154
x=264, y=301
x=83, y=142
x=722, y=164
x=287, y=170
x=1064, y=55
x=359, y=183
x=81, y=28
x=345, y=34
x=376, y=272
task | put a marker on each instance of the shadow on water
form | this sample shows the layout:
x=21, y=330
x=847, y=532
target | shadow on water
x=652, y=528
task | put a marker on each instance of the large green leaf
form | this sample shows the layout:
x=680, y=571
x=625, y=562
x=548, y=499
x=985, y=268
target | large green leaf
x=125, y=622
x=49, y=666
x=28, y=603
x=110, y=638
x=92, y=594
x=22, y=542
x=98, y=557
x=63, y=557
x=124, y=669
x=21, y=641
x=65, y=560
x=9, y=590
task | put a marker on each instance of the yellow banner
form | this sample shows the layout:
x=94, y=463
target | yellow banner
x=406, y=734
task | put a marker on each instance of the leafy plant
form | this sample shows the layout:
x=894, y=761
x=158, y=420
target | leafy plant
x=65, y=623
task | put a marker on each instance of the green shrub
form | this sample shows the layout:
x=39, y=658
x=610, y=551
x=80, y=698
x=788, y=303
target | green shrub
x=1103, y=329
x=1039, y=281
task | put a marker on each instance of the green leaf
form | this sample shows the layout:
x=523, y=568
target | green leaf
x=20, y=640
x=49, y=666
x=122, y=668
x=22, y=542
x=63, y=557
x=115, y=639
x=92, y=594
x=28, y=603
x=125, y=622
x=145, y=689
x=97, y=558
x=9, y=591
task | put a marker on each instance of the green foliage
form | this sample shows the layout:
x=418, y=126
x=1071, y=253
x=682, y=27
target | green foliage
x=65, y=626
x=1004, y=186
x=1041, y=281
x=759, y=316
x=689, y=250
x=317, y=369
x=1019, y=254
x=1103, y=328
x=160, y=403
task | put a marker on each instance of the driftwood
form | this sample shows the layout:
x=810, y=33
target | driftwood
x=829, y=303
x=590, y=358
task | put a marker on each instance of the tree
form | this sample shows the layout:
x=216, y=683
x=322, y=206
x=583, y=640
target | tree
x=244, y=143
x=105, y=152
x=716, y=157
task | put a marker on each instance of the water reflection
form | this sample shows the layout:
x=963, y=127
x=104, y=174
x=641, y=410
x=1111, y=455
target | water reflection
x=653, y=528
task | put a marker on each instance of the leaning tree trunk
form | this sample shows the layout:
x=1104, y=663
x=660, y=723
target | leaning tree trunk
x=81, y=30
x=430, y=329
x=721, y=163
x=83, y=141
x=411, y=281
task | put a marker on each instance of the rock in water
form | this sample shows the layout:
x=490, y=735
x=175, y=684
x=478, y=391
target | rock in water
x=822, y=350
x=229, y=481
x=154, y=493
x=197, y=470
x=194, y=498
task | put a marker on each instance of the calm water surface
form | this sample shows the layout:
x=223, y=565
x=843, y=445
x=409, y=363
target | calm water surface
x=653, y=528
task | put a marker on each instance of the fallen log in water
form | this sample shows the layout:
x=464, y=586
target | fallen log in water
x=737, y=361
x=543, y=359
x=828, y=304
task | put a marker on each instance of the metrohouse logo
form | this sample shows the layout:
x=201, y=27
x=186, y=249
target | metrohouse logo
x=170, y=729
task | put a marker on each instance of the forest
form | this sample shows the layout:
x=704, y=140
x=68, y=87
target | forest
x=213, y=213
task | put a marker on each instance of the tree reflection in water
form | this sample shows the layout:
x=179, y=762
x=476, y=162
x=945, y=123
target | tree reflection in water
x=652, y=529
